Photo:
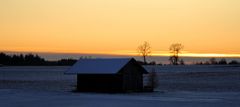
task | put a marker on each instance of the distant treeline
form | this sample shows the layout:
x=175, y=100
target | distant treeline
x=213, y=61
x=31, y=60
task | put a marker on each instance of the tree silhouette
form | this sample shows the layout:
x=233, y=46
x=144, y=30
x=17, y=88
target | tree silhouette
x=144, y=50
x=4, y=59
x=222, y=62
x=213, y=61
x=175, y=49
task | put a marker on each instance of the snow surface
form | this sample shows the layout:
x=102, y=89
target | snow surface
x=49, y=87
x=193, y=68
x=21, y=98
x=96, y=66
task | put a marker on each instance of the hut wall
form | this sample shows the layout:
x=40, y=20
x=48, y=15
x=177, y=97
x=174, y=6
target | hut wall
x=99, y=82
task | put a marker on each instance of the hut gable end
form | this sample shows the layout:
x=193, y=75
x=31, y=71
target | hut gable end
x=133, y=64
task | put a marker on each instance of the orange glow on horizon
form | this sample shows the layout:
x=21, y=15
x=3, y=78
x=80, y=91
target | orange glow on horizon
x=135, y=53
x=183, y=54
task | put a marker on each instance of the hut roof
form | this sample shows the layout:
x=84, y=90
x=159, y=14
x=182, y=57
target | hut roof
x=99, y=66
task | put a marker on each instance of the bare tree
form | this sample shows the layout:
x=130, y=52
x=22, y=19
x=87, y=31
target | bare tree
x=175, y=49
x=144, y=50
x=153, y=79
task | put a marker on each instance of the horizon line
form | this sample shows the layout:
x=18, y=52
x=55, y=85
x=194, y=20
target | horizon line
x=132, y=53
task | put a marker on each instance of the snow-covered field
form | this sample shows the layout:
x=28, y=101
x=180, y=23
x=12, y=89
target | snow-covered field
x=210, y=78
x=182, y=86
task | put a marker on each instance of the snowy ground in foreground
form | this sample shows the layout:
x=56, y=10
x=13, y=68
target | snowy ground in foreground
x=49, y=87
x=21, y=98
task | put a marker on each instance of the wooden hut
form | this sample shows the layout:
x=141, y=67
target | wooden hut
x=108, y=75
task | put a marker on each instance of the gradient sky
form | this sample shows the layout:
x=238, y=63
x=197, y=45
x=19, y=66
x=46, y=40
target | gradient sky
x=119, y=26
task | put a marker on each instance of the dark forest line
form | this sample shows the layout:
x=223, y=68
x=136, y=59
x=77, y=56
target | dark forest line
x=31, y=60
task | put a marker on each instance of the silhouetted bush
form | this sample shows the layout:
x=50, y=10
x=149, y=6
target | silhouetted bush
x=234, y=62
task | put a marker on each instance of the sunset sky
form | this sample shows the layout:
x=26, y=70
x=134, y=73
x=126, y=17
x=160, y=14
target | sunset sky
x=204, y=27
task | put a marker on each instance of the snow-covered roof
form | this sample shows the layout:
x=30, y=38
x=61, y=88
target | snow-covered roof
x=98, y=66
